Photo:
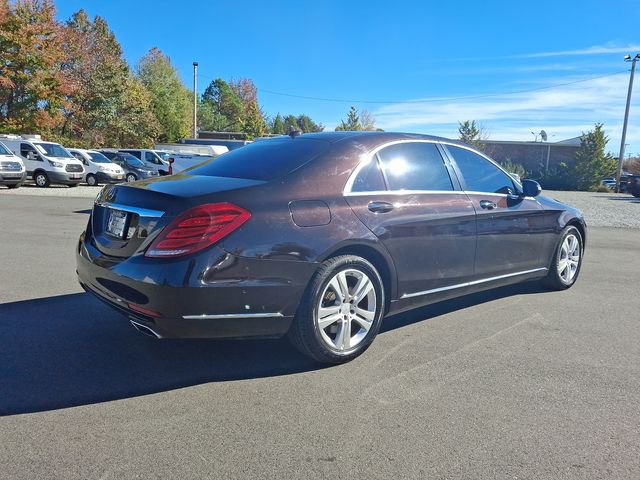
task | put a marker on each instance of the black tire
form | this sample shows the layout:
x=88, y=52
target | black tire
x=554, y=279
x=41, y=179
x=305, y=332
x=91, y=180
x=130, y=177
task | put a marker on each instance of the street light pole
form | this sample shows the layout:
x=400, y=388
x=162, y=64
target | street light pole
x=195, y=99
x=627, y=58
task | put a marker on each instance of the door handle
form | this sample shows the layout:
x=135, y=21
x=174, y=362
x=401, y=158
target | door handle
x=380, y=207
x=487, y=204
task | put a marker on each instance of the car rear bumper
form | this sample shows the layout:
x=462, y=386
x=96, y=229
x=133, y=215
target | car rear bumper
x=176, y=299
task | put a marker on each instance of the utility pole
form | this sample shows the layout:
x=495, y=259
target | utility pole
x=627, y=58
x=195, y=99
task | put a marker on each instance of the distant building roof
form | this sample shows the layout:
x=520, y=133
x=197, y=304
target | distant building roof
x=570, y=142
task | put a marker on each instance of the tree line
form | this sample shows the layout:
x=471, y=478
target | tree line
x=70, y=82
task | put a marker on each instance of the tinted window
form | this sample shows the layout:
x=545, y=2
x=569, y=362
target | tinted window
x=480, y=175
x=369, y=178
x=265, y=160
x=25, y=148
x=131, y=160
x=415, y=166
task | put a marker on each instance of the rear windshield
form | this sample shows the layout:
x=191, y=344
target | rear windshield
x=265, y=160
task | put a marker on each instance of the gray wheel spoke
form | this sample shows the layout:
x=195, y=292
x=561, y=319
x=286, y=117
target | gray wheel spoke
x=328, y=316
x=364, y=318
x=343, y=337
x=362, y=289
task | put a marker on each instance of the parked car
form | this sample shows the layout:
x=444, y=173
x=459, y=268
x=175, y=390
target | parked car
x=633, y=185
x=12, y=170
x=150, y=158
x=46, y=162
x=134, y=168
x=320, y=236
x=609, y=183
x=98, y=168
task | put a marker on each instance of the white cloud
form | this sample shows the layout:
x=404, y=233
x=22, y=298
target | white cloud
x=594, y=50
x=564, y=112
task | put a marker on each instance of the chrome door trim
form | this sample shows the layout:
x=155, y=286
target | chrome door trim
x=470, y=284
x=231, y=315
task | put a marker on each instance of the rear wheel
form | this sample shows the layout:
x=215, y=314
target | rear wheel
x=341, y=311
x=92, y=181
x=567, y=260
x=41, y=179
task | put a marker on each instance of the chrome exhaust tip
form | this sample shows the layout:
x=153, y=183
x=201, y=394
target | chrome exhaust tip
x=144, y=329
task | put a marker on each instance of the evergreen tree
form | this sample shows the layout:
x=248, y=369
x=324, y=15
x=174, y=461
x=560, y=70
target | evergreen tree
x=227, y=111
x=352, y=123
x=277, y=126
x=471, y=134
x=592, y=164
x=306, y=125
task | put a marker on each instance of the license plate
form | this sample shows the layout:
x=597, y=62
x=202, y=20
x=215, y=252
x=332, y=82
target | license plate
x=75, y=175
x=119, y=177
x=116, y=223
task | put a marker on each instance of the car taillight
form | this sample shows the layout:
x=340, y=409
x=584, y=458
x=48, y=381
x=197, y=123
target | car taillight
x=197, y=228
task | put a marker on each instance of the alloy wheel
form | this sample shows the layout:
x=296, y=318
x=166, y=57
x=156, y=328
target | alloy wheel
x=569, y=259
x=346, y=310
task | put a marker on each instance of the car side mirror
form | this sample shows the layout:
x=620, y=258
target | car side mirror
x=171, y=160
x=531, y=188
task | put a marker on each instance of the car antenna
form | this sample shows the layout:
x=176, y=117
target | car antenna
x=293, y=133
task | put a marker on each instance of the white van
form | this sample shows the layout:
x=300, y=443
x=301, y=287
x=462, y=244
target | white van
x=97, y=168
x=46, y=162
x=12, y=171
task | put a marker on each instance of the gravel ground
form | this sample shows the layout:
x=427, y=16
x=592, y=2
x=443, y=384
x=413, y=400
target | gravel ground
x=599, y=209
x=602, y=209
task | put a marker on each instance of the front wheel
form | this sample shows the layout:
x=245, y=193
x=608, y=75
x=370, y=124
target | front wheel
x=131, y=177
x=92, y=181
x=341, y=310
x=567, y=260
x=41, y=179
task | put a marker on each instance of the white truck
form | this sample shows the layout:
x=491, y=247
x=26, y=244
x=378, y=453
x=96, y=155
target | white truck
x=46, y=162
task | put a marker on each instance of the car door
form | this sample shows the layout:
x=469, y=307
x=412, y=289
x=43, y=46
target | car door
x=31, y=158
x=407, y=196
x=511, y=227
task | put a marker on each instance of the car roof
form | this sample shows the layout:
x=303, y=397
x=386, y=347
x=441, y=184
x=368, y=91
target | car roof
x=334, y=137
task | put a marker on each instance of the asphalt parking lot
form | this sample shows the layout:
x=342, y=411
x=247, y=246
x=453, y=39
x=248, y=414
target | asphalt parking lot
x=512, y=383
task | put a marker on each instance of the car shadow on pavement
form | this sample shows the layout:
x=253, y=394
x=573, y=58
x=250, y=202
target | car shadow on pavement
x=72, y=350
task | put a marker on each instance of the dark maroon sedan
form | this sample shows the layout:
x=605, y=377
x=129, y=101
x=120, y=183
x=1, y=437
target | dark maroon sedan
x=320, y=236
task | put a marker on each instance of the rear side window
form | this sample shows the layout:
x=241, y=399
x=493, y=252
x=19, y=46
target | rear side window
x=415, y=166
x=480, y=175
x=264, y=160
x=369, y=178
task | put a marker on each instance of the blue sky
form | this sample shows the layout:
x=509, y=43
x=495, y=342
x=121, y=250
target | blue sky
x=417, y=66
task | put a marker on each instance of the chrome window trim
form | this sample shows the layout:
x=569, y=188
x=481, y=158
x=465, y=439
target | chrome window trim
x=231, y=315
x=404, y=192
x=352, y=178
x=472, y=283
x=143, y=212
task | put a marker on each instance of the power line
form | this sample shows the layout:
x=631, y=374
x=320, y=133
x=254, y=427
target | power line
x=439, y=99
